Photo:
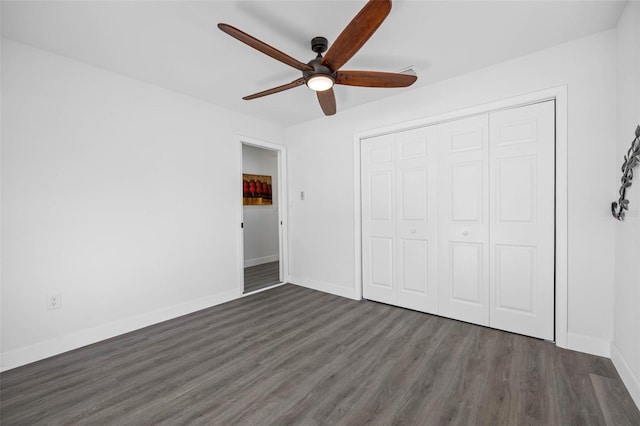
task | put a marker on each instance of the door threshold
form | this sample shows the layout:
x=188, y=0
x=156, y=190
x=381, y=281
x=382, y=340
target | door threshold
x=249, y=293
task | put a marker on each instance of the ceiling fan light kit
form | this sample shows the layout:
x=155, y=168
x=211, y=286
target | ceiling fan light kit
x=321, y=78
x=320, y=82
x=321, y=73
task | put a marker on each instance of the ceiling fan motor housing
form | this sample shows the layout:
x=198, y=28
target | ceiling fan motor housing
x=319, y=44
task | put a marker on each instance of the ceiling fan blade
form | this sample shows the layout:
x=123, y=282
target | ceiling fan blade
x=294, y=83
x=327, y=101
x=356, y=34
x=374, y=79
x=264, y=47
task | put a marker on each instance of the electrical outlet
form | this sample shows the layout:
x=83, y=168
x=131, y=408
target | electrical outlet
x=54, y=301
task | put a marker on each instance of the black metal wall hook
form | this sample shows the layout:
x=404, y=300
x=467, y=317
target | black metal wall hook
x=631, y=160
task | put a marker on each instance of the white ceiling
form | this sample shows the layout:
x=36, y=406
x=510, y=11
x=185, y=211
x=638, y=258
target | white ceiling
x=176, y=44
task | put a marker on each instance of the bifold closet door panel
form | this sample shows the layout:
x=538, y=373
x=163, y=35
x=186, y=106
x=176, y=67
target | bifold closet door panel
x=417, y=219
x=378, y=219
x=522, y=147
x=399, y=219
x=464, y=219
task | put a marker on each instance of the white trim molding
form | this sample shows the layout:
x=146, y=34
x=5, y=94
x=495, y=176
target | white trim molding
x=260, y=260
x=283, y=202
x=589, y=344
x=559, y=94
x=629, y=378
x=49, y=348
x=325, y=287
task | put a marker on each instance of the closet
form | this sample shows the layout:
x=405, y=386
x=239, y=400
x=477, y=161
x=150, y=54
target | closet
x=458, y=219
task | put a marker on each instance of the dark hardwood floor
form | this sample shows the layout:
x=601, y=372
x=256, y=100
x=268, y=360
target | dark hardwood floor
x=291, y=355
x=261, y=276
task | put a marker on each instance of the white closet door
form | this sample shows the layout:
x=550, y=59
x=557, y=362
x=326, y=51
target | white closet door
x=399, y=223
x=378, y=219
x=464, y=219
x=417, y=221
x=522, y=146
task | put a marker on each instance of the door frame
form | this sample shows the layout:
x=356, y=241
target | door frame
x=559, y=94
x=283, y=248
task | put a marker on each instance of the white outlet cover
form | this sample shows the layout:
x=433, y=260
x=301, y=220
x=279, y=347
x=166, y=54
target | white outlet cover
x=54, y=301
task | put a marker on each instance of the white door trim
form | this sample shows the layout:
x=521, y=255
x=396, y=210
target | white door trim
x=559, y=94
x=281, y=151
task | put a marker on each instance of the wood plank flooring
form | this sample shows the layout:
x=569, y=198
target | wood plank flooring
x=291, y=355
x=261, y=276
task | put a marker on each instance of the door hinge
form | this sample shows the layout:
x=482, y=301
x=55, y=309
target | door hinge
x=242, y=225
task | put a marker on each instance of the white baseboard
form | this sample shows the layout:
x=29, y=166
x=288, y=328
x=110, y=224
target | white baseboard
x=630, y=380
x=338, y=290
x=48, y=348
x=588, y=344
x=260, y=260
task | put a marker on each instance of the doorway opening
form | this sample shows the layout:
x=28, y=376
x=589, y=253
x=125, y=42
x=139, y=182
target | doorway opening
x=261, y=217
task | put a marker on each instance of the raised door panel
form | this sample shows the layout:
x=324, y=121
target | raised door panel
x=466, y=182
x=378, y=219
x=412, y=187
x=515, y=189
x=414, y=267
x=515, y=278
x=522, y=147
x=463, y=219
x=466, y=273
x=380, y=196
x=381, y=262
x=417, y=227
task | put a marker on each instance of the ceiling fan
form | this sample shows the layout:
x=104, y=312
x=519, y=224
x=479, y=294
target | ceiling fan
x=321, y=73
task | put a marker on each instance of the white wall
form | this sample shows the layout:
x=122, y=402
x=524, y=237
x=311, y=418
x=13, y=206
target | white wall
x=322, y=228
x=122, y=196
x=261, y=222
x=625, y=349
